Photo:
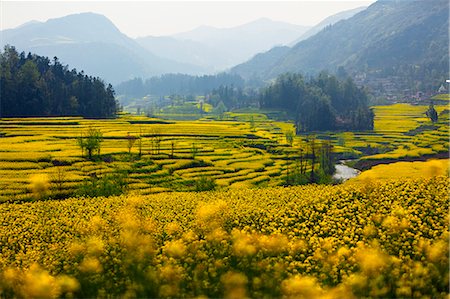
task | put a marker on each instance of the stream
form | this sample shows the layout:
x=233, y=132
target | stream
x=344, y=172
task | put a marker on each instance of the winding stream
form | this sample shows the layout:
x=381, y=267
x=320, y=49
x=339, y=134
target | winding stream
x=344, y=172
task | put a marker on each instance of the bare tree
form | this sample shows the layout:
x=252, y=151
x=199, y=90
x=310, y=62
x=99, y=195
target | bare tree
x=130, y=142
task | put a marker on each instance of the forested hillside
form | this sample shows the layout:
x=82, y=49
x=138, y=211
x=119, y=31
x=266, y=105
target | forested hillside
x=321, y=103
x=392, y=46
x=33, y=85
x=180, y=84
x=93, y=43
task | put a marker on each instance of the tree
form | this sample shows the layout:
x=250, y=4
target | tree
x=220, y=109
x=252, y=123
x=313, y=156
x=172, y=148
x=140, y=142
x=91, y=142
x=319, y=104
x=289, y=137
x=297, y=175
x=194, y=151
x=155, y=141
x=130, y=142
x=326, y=164
x=432, y=113
x=32, y=85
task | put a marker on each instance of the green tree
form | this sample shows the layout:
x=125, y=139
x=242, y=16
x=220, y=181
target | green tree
x=312, y=145
x=32, y=85
x=205, y=183
x=289, y=137
x=91, y=142
x=194, y=151
x=432, y=113
x=220, y=109
x=326, y=164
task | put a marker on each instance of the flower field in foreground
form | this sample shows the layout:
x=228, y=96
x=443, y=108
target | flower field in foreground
x=386, y=239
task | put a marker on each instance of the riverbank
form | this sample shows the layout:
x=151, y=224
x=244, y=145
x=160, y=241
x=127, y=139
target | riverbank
x=367, y=164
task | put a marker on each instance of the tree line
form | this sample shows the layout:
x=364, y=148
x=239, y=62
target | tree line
x=321, y=103
x=177, y=84
x=32, y=85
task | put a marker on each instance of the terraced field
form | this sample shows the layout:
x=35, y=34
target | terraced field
x=174, y=154
x=402, y=132
x=245, y=150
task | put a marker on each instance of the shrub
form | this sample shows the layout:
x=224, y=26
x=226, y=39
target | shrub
x=107, y=185
x=205, y=183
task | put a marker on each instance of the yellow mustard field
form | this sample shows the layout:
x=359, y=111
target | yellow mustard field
x=379, y=239
x=402, y=170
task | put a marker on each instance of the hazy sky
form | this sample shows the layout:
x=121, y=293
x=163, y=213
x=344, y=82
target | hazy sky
x=141, y=18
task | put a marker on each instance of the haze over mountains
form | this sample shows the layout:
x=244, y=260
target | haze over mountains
x=221, y=48
x=401, y=43
x=406, y=41
x=327, y=22
x=92, y=43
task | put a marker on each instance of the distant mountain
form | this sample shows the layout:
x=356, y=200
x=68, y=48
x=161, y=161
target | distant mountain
x=260, y=63
x=92, y=43
x=403, y=40
x=327, y=22
x=240, y=43
x=186, y=51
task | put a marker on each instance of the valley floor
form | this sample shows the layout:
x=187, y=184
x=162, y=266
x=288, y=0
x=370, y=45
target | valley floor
x=246, y=150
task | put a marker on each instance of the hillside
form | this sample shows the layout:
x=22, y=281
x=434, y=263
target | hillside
x=33, y=85
x=256, y=67
x=403, y=40
x=242, y=42
x=100, y=43
x=343, y=15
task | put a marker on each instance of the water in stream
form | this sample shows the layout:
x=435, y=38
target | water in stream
x=344, y=172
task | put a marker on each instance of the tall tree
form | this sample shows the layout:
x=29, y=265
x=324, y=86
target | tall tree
x=32, y=85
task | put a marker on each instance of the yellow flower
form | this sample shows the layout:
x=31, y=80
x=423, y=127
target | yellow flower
x=39, y=185
x=235, y=285
x=90, y=265
x=175, y=248
x=301, y=287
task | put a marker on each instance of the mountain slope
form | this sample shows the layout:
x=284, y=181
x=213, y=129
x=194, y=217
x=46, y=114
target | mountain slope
x=92, y=43
x=327, y=22
x=186, y=51
x=407, y=40
x=242, y=42
x=257, y=66
x=374, y=38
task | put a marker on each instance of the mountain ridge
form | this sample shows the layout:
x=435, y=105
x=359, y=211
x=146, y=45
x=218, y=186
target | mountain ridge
x=97, y=36
x=239, y=43
x=388, y=39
